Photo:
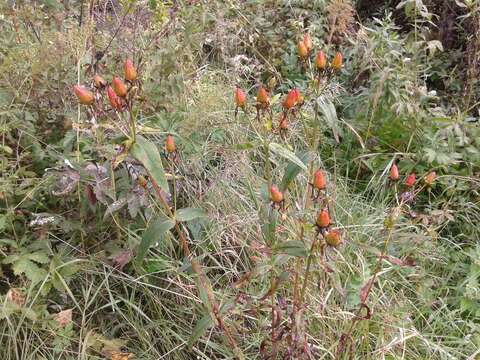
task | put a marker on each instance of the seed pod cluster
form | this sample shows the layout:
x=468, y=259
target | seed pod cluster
x=116, y=92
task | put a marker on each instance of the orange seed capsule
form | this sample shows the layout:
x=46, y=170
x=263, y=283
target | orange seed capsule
x=430, y=178
x=119, y=87
x=333, y=238
x=394, y=175
x=170, y=146
x=113, y=98
x=99, y=81
x=129, y=70
x=275, y=195
x=337, y=61
x=85, y=97
x=323, y=219
x=302, y=49
x=262, y=96
x=290, y=99
x=240, y=97
x=319, y=180
x=307, y=40
x=321, y=61
x=410, y=181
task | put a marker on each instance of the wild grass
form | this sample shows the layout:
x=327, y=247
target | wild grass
x=424, y=299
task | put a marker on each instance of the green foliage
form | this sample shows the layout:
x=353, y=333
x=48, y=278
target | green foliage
x=84, y=228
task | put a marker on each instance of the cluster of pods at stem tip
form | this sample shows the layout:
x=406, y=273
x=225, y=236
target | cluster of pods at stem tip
x=293, y=100
x=304, y=49
x=116, y=92
x=411, y=178
x=322, y=221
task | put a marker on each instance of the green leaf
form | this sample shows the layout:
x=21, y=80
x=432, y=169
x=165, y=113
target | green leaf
x=31, y=270
x=188, y=214
x=147, y=153
x=293, y=248
x=330, y=115
x=39, y=257
x=200, y=328
x=155, y=232
x=293, y=170
x=287, y=154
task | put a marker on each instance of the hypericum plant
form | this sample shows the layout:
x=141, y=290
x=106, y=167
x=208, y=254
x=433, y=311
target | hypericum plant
x=122, y=95
x=289, y=207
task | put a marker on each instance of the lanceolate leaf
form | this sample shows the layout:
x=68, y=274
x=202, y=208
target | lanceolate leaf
x=188, y=214
x=293, y=248
x=155, y=232
x=287, y=154
x=147, y=153
x=293, y=170
x=200, y=329
x=330, y=115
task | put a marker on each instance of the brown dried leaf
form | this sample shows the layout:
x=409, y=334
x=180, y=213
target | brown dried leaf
x=395, y=261
x=119, y=355
x=365, y=290
x=64, y=317
x=16, y=296
x=121, y=259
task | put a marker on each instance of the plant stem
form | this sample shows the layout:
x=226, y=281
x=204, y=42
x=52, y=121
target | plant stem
x=307, y=270
x=196, y=267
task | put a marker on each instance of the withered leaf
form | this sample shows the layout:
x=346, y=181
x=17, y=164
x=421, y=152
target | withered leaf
x=64, y=317
x=365, y=290
x=16, y=296
x=120, y=355
x=121, y=259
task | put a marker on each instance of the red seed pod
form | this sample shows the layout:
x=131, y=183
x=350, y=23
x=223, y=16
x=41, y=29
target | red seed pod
x=283, y=125
x=430, y=178
x=262, y=96
x=302, y=50
x=319, y=180
x=240, y=97
x=410, y=181
x=129, y=70
x=85, y=97
x=119, y=87
x=337, y=61
x=394, y=175
x=170, y=146
x=321, y=61
x=114, y=100
x=291, y=99
x=333, y=238
x=275, y=195
x=307, y=41
x=99, y=81
x=323, y=219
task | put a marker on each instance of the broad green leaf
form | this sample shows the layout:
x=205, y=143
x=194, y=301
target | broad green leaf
x=147, y=153
x=188, y=214
x=155, y=232
x=293, y=170
x=200, y=328
x=39, y=257
x=293, y=248
x=31, y=270
x=286, y=154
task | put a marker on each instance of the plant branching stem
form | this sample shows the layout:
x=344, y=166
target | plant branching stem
x=203, y=281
